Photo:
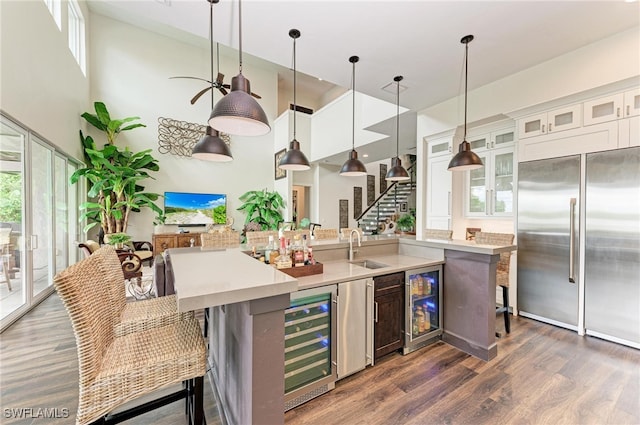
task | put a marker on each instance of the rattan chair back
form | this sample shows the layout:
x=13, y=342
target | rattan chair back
x=320, y=234
x=438, y=234
x=488, y=238
x=216, y=239
x=261, y=237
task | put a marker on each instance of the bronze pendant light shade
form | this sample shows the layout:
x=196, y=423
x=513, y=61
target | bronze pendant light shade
x=353, y=167
x=465, y=159
x=211, y=147
x=294, y=159
x=238, y=113
x=397, y=172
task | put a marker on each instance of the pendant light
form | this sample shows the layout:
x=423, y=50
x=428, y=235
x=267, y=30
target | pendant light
x=353, y=167
x=465, y=159
x=397, y=172
x=211, y=147
x=238, y=113
x=294, y=159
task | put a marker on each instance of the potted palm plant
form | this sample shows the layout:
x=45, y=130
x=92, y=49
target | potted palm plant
x=114, y=174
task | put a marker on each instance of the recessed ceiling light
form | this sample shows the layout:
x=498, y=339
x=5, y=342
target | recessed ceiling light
x=365, y=155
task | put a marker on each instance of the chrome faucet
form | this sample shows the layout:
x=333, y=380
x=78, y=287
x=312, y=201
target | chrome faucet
x=351, y=251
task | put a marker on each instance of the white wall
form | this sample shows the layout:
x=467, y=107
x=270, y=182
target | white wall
x=332, y=126
x=604, y=62
x=132, y=67
x=42, y=84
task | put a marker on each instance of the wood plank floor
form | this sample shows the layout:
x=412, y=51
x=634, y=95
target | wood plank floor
x=542, y=375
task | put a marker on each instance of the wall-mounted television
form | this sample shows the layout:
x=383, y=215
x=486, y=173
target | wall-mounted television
x=195, y=209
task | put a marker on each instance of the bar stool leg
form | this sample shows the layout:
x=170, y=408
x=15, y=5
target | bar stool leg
x=505, y=303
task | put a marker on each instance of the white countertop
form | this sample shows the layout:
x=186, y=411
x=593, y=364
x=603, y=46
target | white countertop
x=209, y=278
x=343, y=271
x=212, y=277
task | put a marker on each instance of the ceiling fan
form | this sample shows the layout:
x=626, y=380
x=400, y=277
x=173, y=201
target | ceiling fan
x=217, y=83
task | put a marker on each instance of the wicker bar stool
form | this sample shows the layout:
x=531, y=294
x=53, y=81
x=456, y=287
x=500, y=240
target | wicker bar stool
x=139, y=315
x=502, y=272
x=115, y=370
x=346, y=231
x=290, y=234
x=438, y=234
x=216, y=239
x=320, y=234
x=261, y=237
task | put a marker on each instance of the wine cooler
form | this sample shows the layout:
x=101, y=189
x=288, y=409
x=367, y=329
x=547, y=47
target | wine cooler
x=423, y=300
x=310, y=345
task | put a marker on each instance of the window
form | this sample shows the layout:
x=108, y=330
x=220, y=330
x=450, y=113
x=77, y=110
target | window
x=54, y=9
x=76, y=34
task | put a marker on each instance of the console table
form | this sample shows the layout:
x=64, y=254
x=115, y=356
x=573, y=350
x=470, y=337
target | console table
x=162, y=241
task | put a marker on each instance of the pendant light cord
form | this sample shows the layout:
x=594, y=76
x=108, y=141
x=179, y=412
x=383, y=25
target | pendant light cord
x=398, y=119
x=240, y=33
x=353, y=121
x=295, y=105
x=466, y=73
x=211, y=49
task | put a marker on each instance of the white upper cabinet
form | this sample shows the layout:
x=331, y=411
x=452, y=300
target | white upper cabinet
x=440, y=147
x=608, y=108
x=560, y=119
x=439, y=180
x=489, y=190
x=632, y=103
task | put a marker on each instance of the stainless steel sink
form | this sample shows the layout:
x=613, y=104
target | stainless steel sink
x=369, y=264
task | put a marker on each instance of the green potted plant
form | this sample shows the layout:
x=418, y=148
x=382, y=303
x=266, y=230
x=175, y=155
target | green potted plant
x=406, y=223
x=158, y=222
x=262, y=207
x=118, y=239
x=114, y=175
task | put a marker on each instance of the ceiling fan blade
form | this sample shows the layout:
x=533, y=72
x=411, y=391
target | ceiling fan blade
x=193, y=78
x=199, y=94
x=223, y=90
x=257, y=96
x=219, y=78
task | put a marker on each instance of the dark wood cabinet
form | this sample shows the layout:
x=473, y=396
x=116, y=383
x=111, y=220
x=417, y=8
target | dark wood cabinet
x=162, y=241
x=388, y=300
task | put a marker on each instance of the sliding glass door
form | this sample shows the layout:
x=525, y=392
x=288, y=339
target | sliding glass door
x=41, y=210
x=12, y=207
x=38, y=218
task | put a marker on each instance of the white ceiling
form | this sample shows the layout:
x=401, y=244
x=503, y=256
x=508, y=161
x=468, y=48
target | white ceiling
x=417, y=39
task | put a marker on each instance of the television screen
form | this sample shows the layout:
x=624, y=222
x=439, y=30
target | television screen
x=195, y=208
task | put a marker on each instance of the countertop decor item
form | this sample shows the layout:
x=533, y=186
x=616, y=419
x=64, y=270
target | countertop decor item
x=465, y=159
x=294, y=159
x=211, y=147
x=238, y=112
x=397, y=171
x=353, y=167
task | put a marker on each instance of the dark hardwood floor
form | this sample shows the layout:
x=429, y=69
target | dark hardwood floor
x=542, y=375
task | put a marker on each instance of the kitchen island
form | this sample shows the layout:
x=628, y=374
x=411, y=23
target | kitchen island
x=246, y=341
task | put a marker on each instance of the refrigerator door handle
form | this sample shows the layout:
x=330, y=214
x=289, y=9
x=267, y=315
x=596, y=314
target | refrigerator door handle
x=572, y=245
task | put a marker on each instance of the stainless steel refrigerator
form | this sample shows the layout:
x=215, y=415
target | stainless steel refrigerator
x=579, y=243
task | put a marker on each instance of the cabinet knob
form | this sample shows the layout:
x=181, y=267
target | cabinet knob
x=618, y=112
x=543, y=128
x=550, y=128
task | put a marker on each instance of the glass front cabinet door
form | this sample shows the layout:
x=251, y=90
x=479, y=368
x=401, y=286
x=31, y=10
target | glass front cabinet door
x=489, y=190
